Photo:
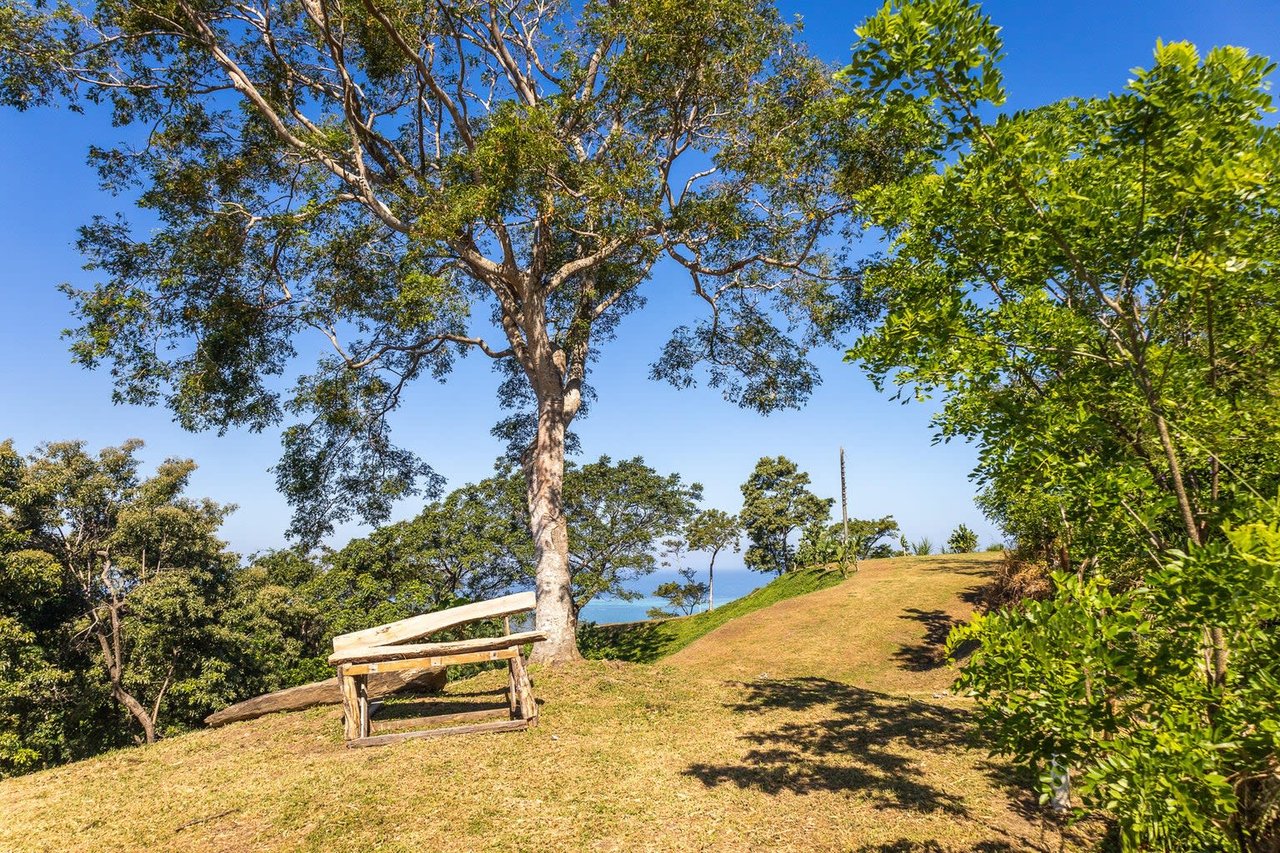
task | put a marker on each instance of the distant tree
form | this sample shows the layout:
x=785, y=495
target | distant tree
x=473, y=544
x=775, y=501
x=282, y=626
x=823, y=543
x=617, y=513
x=389, y=177
x=468, y=546
x=682, y=597
x=962, y=541
x=713, y=530
x=131, y=574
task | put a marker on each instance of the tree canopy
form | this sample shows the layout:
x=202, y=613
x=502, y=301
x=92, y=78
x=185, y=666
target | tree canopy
x=1090, y=287
x=776, y=501
x=410, y=184
x=114, y=593
x=713, y=530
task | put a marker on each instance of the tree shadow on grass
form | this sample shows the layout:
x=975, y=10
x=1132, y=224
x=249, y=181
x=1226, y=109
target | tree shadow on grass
x=908, y=846
x=930, y=652
x=854, y=739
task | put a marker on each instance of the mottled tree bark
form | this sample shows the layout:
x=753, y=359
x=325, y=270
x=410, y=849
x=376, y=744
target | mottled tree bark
x=544, y=475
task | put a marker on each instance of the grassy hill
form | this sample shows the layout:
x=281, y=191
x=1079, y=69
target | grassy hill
x=646, y=642
x=810, y=724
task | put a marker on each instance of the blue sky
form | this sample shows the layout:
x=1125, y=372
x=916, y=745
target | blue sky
x=1055, y=49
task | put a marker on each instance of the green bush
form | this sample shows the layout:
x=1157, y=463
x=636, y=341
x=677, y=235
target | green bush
x=962, y=541
x=1117, y=685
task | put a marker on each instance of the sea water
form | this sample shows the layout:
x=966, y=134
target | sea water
x=731, y=582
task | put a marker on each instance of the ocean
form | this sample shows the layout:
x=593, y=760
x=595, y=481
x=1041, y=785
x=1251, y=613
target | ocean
x=731, y=582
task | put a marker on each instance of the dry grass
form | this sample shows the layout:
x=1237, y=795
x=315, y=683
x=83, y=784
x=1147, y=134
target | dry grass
x=701, y=752
x=884, y=629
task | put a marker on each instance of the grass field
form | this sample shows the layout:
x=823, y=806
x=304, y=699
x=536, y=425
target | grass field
x=821, y=722
x=646, y=642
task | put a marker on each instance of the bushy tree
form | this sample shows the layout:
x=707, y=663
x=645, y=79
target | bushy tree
x=468, y=546
x=1119, y=685
x=682, y=598
x=823, y=543
x=776, y=501
x=1090, y=286
x=122, y=583
x=413, y=183
x=962, y=540
x=618, y=512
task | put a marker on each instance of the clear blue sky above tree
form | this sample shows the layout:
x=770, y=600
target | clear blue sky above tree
x=1055, y=49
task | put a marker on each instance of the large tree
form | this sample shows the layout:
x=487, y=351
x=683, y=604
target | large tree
x=1091, y=288
x=412, y=182
x=125, y=582
x=618, y=513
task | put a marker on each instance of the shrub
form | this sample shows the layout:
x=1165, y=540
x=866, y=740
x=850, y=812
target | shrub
x=962, y=541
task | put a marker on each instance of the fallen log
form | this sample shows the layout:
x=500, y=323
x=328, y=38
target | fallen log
x=326, y=692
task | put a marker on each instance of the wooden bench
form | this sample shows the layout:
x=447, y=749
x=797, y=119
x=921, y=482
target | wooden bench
x=389, y=647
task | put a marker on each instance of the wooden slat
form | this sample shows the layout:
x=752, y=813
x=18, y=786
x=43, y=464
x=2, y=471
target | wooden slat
x=428, y=623
x=496, y=726
x=457, y=717
x=434, y=661
x=365, y=654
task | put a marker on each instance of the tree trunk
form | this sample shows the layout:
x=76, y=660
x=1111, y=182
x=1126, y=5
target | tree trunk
x=711, y=583
x=544, y=475
x=135, y=708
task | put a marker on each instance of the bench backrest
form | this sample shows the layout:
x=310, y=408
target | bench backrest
x=428, y=623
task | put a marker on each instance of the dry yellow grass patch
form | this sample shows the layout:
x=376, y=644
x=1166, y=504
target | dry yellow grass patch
x=882, y=629
x=699, y=754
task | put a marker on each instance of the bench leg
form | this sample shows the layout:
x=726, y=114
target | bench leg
x=512, y=688
x=350, y=705
x=362, y=704
x=528, y=707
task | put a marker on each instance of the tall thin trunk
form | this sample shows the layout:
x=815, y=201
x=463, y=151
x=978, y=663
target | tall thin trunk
x=113, y=659
x=1215, y=636
x=711, y=582
x=544, y=476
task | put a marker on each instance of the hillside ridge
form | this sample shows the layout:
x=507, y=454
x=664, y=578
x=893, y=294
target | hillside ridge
x=811, y=724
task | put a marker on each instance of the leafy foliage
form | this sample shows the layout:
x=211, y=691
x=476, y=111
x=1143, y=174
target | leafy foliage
x=1090, y=287
x=1114, y=683
x=468, y=546
x=113, y=616
x=713, y=530
x=775, y=501
x=617, y=513
x=962, y=540
x=822, y=543
x=682, y=598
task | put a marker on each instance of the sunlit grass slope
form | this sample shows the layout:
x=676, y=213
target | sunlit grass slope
x=645, y=642
x=807, y=725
